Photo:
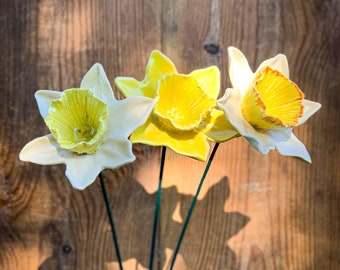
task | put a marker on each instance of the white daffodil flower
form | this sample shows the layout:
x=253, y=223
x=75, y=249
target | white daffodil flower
x=265, y=106
x=89, y=128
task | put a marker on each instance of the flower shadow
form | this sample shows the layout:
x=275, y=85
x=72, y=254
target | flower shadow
x=205, y=241
x=207, y=234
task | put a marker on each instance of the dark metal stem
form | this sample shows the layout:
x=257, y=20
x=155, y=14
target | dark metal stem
x=157, y=208
x=192, y=206
x=109, y=213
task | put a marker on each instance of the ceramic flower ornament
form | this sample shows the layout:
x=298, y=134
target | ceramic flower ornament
x=89, y=128
x=265, y=106
x=184, y=117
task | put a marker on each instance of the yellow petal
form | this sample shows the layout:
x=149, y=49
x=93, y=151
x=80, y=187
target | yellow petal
x=273, y=101
x=130, y=87
x=209, y=80
x=187, y=143
x=217, y=128
x=182, y=104
x=78, y=121
x=157, y=66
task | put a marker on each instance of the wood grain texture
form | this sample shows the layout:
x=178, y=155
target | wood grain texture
x=254, y=212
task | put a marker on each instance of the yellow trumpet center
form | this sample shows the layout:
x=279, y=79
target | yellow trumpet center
x=273, y=101
x=182, y=104
x=78, y=121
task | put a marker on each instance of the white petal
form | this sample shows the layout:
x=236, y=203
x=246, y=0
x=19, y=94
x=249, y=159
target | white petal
x=44, y=98
x=279, y=62
x=309, y=108
x=240, y=73
x=96, y=80
x=293, y=147
x=82, y=171
x=129, y=114
x=116, y=153
x=44, y=150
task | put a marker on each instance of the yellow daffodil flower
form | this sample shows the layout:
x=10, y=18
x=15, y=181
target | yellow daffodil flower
x=265, y=106
x=184, y=117
x=89, y=128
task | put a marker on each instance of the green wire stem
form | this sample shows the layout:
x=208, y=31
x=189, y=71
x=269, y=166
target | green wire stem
x=109, y=213
x=186, y=222
x=157, y=208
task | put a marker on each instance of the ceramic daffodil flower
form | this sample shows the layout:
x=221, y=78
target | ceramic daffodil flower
x=265, y=106
x=184, y=117
x=89, y=128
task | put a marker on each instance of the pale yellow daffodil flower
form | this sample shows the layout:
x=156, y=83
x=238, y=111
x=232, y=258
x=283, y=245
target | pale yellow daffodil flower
x=185, y=116
x=89, y=128
x=265, y=106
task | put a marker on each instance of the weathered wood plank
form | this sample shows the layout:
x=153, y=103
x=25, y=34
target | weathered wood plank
x=278, y=194
x=50, y=45
x=254, y=212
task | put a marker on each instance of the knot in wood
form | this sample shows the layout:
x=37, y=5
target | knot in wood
x=211, y=47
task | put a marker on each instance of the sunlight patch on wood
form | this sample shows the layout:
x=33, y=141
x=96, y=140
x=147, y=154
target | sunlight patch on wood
x=176, y=215
x=128, y=264
x=179, y=263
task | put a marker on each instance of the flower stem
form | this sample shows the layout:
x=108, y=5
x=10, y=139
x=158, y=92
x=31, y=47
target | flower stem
x=157, y=208
x=191, y=208
x=109, y=213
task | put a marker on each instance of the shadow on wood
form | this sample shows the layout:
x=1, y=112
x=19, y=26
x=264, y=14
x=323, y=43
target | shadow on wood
x=132, y=204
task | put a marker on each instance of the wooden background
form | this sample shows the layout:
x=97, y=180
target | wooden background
x=254, y=212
